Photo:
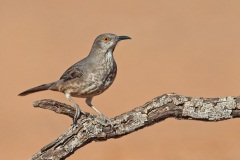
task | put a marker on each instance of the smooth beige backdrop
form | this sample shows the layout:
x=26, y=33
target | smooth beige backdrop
x=191, y=47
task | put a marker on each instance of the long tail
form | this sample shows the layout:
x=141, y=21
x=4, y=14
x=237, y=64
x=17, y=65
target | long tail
x=37, y=89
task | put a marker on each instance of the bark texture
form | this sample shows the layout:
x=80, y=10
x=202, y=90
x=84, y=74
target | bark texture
x=91, y=128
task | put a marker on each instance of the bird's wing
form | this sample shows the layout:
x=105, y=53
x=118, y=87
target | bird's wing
x=71, y=73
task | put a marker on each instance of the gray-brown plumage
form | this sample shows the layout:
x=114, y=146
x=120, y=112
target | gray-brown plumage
x=89, y=77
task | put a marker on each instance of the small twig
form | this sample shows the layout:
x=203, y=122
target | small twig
x=90, y=128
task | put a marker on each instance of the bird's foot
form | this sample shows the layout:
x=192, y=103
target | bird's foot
x=77, y=115
x=84, y=113
x=106, y=120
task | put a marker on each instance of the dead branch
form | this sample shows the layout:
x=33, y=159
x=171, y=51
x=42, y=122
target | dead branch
x=90, y=128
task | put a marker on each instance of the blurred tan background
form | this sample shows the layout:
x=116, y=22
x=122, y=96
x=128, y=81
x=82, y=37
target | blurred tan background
x=188, y=47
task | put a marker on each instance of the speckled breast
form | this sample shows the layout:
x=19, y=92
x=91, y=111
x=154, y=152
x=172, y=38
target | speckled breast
x=104, y=82
x=109, y=80
x=97, y=82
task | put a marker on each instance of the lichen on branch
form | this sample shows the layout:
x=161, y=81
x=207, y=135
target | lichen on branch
x=90, y=128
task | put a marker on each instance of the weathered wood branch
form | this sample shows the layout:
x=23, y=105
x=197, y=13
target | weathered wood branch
x=90, y=128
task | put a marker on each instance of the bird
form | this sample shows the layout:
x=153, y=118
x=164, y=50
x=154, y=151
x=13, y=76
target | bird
x=89, y=77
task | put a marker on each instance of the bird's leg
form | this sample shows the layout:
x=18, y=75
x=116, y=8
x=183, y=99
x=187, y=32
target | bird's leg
x=105, y=119
x=89, y=103
x=78, y=110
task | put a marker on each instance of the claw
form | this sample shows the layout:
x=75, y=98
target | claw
x=77, y=115
x=106, y=120
x=84, y=113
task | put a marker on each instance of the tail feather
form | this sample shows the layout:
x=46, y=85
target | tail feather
x=37, y=89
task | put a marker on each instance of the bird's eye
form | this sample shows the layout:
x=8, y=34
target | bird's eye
x=106, y=39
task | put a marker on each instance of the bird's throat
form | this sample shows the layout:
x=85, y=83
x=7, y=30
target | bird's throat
x=109, y=54
x=109, y=58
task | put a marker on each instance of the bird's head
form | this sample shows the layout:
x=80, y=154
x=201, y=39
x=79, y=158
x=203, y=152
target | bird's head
x=108, y=41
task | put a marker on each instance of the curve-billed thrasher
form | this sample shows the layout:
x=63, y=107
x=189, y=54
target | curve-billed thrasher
x=89, y=77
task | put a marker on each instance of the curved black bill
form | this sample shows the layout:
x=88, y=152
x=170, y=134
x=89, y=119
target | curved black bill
x=123, y=38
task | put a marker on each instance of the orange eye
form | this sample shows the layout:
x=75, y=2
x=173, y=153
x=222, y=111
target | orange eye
x=106, y=39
